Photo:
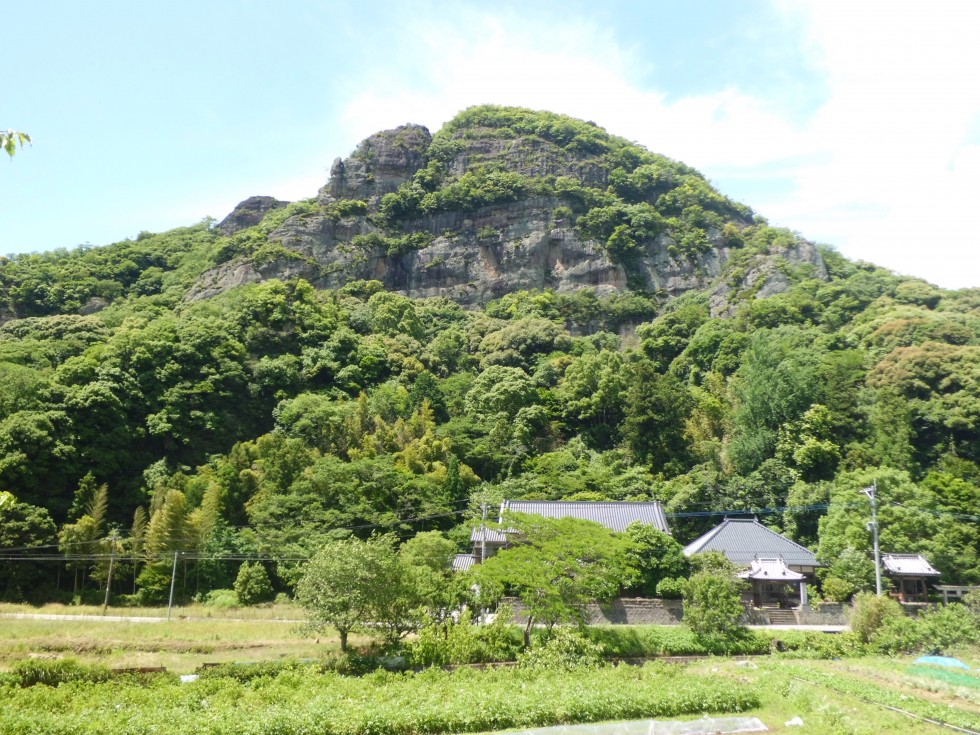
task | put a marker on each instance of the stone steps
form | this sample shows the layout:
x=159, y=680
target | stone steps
x=781, y=617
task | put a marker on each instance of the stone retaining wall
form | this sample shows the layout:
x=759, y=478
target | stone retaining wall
x=622, y=611
x=825, y=614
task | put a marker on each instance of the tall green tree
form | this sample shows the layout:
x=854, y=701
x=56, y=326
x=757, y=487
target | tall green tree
x=556, y=567
x=24, y=530
x=656, y=556
x=345, y=583
x=657, y=407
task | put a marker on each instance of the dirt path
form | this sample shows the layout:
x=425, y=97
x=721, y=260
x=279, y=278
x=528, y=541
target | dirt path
x=133, y=618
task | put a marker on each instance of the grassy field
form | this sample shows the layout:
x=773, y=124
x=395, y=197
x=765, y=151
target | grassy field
x=195, y=635
x=832, y=697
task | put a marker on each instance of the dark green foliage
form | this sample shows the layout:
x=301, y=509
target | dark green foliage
x=54, y=673
x=713, y=605
x=870, y=614
x=252, y=584
x=25, y=530
x=657, y=407
x=657, y=557
x=274, y=417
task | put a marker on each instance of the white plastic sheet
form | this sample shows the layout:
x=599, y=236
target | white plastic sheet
x=704, y=726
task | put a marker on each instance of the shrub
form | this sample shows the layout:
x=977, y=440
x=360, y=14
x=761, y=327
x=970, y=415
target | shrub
x=713, y=605
x=950, y=626
x=870, y=613
x=246, y=672
x=565, y=649
x=811, y=644
x=899, y=634
x=462, y=642
x=671, y=588
x=673, y=640
x=52, y=673
x=154, y=584
x=349, y=208
x=252, y=584
x=972, y=603
x=221, y=599
x=836, y=589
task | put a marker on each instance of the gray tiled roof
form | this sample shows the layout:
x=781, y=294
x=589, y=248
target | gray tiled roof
x=613, y=515
x=744, y=539
x=462, y=562
x=908, y=565
x=488, y=535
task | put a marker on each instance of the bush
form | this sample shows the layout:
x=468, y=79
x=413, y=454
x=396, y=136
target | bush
x=713, y=605
x=252, y=584
x=246, y=672
x=565, y=649
x=870, y=613
x=899, y=634
x=673, y=640
x=462, y=642
x=671, y=588
x=811, y=644
x=54, y=672
x=221, y=599
x=972, y=603
x=950, y=626
x=154, y=584
x=836, y=589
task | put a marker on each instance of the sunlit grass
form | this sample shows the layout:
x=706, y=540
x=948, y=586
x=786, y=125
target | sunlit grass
x=192, y=637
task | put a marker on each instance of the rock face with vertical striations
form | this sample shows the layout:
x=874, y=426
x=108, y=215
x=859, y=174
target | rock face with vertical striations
x=503, y=199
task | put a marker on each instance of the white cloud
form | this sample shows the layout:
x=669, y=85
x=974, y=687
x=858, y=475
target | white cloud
x=883, y=169
x=904, y=84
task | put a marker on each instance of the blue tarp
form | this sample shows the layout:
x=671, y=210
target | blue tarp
x=953, y=663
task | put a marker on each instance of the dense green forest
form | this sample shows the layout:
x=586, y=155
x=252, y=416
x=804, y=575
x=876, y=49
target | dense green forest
x=275, y=416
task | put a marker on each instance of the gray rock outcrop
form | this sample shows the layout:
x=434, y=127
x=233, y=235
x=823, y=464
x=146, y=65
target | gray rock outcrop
x=479, y=255
x=248, y=213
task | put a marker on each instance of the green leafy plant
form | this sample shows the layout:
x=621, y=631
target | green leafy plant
x=713, y=606
x=36, y=671
x=252, y=584
x=870, y=613
x=563, y=649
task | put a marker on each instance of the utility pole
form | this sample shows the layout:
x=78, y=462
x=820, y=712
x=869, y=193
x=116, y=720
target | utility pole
x=112, y=559
x=173, y=578
x=872, y=493
x=483, y=535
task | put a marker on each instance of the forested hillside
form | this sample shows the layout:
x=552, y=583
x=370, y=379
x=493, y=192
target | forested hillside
x=519, y=306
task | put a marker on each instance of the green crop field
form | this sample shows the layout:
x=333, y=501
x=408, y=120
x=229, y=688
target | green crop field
x=288, y=688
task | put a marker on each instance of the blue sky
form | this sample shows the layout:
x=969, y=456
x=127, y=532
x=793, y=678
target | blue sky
x=855, y=123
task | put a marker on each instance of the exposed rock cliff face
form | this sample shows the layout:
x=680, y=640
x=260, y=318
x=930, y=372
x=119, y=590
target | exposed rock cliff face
x=379, y=165
x=248, y=214
x=473, y=254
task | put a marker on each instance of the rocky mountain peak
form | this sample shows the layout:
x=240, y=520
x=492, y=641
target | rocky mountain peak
x=507, y=199
x=378, y=166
